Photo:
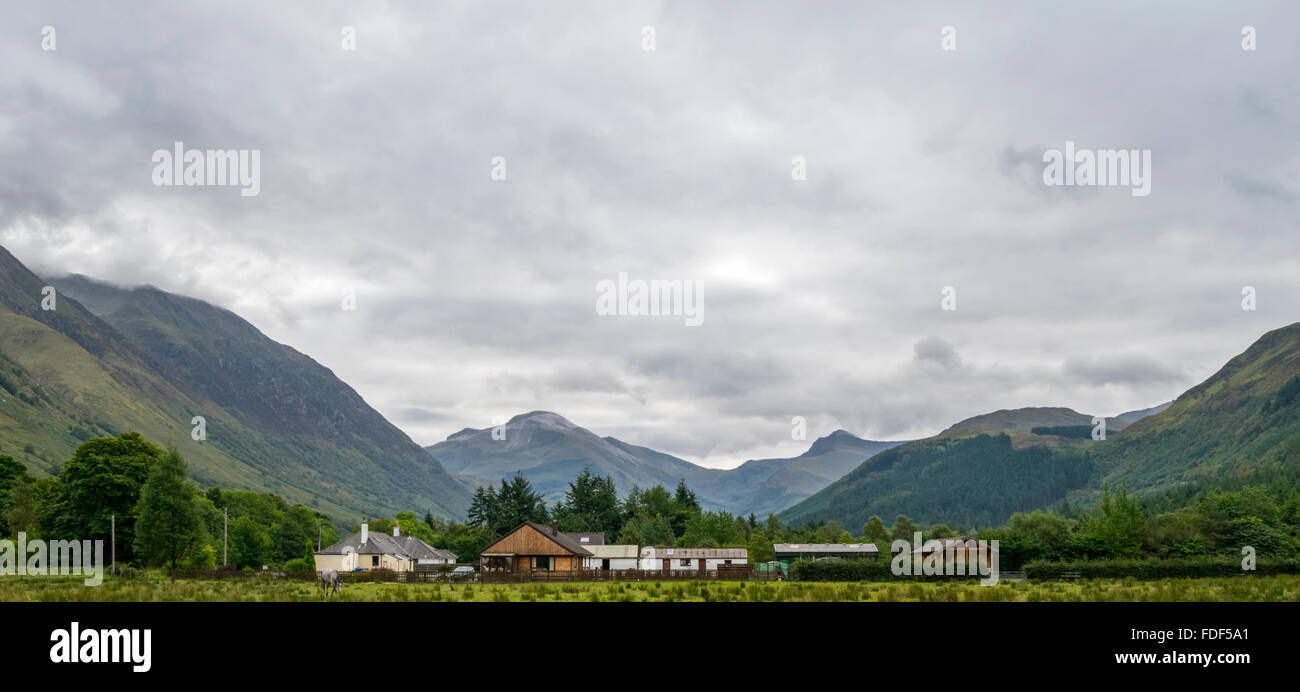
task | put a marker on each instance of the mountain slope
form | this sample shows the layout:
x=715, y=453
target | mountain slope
x=1135, y=416
x=550, y=451
x=312, y=431
x=963, y=480
x=1024, y=420
x=66, y=376
x=770, y=485
x=1243, y=420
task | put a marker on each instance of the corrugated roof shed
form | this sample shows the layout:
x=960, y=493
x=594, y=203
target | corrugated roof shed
x=609, y=552
x=825, y=548
x=696, y=553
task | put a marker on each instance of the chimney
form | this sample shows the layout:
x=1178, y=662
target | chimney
x=397, y=530
x=365, y=531
x=555, y=528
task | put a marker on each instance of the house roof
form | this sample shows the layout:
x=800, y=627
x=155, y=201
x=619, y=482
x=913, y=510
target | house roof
x=825, y=548
x=954, y=543
x=606, y=552
x=586, y=538
x=404, y=547
x=556, y=537
x=695, y=553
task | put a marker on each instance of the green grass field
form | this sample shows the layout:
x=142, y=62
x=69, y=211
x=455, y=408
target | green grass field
x=157, y=588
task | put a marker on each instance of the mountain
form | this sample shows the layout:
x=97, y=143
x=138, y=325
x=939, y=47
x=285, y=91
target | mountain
x=1024, y=420
x=1135, y=416
x=551, y=451
x=977, y=472
x=770, y=485
x=1243, y=420
x=110, y=359
x=963, y=480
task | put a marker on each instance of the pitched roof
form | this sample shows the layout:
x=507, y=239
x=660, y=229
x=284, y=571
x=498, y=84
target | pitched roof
x=605, y=552
x=825, y=548
x=695, y=553
x=405, y=547
x=586, y=538
x=956, y=543
x=564, y=540
x=556, y=537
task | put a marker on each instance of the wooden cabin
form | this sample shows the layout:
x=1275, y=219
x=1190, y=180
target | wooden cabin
x=532, y=547
x=962, y=549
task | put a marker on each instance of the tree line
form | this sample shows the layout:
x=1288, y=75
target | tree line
x=131, y=489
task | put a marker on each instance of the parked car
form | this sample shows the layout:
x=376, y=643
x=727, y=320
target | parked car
x=463, y=572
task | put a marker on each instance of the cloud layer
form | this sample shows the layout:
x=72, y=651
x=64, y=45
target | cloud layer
x=475, y=298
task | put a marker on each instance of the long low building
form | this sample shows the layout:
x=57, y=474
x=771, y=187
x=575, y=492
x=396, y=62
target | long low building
x=610, y=557
x=697, y=559
x=789, y=552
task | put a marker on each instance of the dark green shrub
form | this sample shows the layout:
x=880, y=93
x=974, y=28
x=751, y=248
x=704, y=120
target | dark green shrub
x=1158, y=569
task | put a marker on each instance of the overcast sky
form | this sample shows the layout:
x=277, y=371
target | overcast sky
x=475, y=298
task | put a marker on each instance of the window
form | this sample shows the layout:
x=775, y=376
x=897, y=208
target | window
x=684, y=563
x=726, y=562
x=374, y=560
x=545, y=562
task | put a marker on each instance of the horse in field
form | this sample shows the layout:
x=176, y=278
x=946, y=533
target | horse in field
x=331, y=580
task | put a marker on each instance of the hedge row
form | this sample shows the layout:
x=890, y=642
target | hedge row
x=856, y=570
x=879, y=570
x=1157, y=569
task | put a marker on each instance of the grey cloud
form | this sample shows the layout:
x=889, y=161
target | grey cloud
x=475, y=298
x=1121, y=370
x=936, y=350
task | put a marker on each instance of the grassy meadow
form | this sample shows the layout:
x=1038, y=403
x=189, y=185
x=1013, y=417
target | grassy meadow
x=158, y=588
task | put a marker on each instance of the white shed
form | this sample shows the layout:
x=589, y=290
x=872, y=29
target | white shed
x=610, y=557
x=696, y=559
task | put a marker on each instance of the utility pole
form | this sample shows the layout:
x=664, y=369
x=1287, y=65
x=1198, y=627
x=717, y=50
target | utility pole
x=225, y=534
x=318, y=535
x=113, y=538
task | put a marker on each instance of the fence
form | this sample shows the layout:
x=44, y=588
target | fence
x=731, y=573
x=241, y=574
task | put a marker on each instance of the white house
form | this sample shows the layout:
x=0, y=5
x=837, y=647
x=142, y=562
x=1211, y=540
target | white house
x=610, y=557
x=365, y=550
x=697, y=559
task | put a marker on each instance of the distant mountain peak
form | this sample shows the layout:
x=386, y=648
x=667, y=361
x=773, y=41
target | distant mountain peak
x=543, y=419
x=1026, y=418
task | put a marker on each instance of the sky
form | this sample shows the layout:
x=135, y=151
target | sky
x=662, y=140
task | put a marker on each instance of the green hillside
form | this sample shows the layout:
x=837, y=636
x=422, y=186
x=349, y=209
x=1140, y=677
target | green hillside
x=276, y=420
x=1242, y=422
x=960, y=480
x=1243, y=419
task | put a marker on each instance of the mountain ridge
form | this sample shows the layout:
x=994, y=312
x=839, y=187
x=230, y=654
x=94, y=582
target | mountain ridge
x=1243, y=419
x=550, y=451
x=150, y=361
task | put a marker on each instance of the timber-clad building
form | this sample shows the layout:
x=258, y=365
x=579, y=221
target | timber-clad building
x=534, y=547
